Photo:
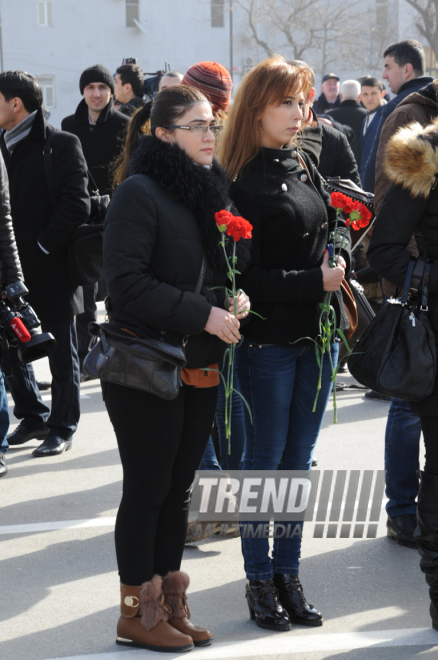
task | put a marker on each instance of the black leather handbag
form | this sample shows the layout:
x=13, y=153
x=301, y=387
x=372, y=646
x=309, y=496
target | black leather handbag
x=396, y=355
x=151, y=365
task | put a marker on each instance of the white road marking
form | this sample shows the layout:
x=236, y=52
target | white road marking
x=62, y=524
x=290, y=644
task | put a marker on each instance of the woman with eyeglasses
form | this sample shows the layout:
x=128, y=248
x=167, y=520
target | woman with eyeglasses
x=287, y=278
x=160, y=230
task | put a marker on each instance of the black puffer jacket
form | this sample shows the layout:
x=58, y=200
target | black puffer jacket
x=10, y=266
x=292, y=219
x=159, y=223
x=410, y=205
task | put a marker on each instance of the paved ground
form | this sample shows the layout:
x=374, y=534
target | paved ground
x=59, y=586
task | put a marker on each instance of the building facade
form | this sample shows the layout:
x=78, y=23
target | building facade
x=57, y=39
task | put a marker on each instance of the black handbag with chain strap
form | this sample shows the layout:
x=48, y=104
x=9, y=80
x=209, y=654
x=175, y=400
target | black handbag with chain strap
x=396, y=355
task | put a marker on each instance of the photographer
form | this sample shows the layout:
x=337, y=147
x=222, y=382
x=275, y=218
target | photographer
x=10, y=273
x=43, y=229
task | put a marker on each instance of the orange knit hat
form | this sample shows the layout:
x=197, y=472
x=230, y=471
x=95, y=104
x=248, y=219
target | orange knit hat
x=213, y=80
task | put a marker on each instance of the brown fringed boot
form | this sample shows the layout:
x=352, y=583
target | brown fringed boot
x=175, y=585
x=143, y=621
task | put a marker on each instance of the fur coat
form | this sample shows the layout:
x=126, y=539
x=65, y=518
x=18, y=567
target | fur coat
x=410, y=206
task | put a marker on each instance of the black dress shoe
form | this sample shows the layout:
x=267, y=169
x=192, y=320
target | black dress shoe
x=3, y=466
x=314, y=462
x=294, y=602
x=52, y=446
x=401, y=529
x=264, y=606
x=376, y=396
x=44, y=385
x=26, y=431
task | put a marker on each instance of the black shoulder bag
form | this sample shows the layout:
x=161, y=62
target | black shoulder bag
x=396, y=355
x=85, y=246
x=151, y=365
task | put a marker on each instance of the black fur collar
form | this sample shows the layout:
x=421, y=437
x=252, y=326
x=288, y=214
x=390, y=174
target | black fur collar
x=202, y=190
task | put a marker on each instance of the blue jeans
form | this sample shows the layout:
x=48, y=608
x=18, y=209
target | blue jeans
x=402, y=448
x=234, y=460
x=4, y=416
x=279, y=382
x=209, y=460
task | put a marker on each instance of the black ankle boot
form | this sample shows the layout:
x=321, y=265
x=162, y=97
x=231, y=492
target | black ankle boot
x=264, y=606
x=294, y=602
x=426, y=536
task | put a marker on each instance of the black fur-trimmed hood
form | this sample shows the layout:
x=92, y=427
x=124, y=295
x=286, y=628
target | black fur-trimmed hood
x=204, y=191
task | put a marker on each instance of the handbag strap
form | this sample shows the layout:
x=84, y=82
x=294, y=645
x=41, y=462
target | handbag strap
x=425, y=287
x=407, y=284
x=200, y=281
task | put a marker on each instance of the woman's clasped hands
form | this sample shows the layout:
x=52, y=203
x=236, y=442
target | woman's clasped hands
x=224, y=324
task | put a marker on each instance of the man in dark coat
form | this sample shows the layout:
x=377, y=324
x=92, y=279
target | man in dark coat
x=97, y=124
x=404, y=68
x=329, y=97
x=42, y=230
x=350, y=112
x=372, y=97
x=101, y=130
x=129, y=81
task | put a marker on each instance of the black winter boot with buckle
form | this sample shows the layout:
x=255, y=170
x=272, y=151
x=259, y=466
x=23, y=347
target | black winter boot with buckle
x=294, y=602
x=265, y=607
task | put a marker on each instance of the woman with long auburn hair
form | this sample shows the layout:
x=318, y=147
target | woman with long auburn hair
x=281, y=194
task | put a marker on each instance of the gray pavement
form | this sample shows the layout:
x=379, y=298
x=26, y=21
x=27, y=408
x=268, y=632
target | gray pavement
x=59, y=584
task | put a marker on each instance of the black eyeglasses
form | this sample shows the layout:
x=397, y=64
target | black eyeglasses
x=216, y=129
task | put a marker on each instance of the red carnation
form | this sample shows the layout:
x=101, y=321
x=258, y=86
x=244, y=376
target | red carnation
x=338, y=200
x=223, y=217
x=239, y=228
x=359, y=217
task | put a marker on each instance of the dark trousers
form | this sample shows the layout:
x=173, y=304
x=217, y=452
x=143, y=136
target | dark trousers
x=161, y=445
x=63, y=417
x=85, y=341
x=429, y=426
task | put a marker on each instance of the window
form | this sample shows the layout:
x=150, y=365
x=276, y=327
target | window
x=382, y=15
x=132, y=13
x=47, y=84
x=217, y=13
x=45, y=13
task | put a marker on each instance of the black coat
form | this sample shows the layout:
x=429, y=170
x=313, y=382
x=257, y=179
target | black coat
x=329, y=151
x=410, y=206
x=35, y=220
x=158, y=225
x=132, y=106
x=352, y=114
x=292, y=219
x=101, y=143
x=322, y=106
x=10, y=266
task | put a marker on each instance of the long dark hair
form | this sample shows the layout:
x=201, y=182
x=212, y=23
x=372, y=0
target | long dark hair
x=165, y=109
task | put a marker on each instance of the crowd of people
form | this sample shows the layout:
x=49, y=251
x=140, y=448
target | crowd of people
x=170, y=165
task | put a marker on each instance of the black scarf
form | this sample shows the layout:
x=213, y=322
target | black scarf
x=204, y=191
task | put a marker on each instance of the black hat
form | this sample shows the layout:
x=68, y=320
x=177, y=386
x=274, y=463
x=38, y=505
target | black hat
x=96, y=73
x=330, y=75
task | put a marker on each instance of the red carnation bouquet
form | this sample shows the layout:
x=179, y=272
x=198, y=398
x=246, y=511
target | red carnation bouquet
x=358, y=217
x=236, y=228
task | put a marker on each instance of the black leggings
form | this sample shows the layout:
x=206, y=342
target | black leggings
x=429, y=426
x=161, y=444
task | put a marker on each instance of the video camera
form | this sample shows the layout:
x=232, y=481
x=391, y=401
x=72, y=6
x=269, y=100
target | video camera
x=150, y=85
x=19, y=323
